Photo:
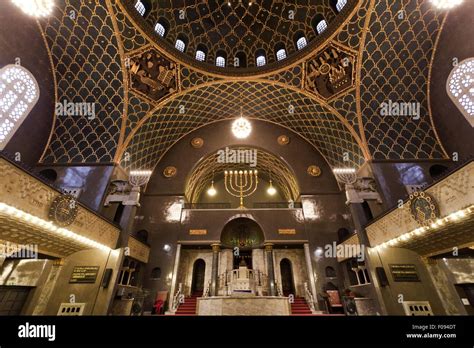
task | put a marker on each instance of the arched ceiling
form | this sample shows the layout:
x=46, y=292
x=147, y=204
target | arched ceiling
x=234, y=27
x=263, y=101
x=267, y=164
x=147, y=100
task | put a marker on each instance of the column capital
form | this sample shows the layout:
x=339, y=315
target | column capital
x=268, y=246
x=216, y=247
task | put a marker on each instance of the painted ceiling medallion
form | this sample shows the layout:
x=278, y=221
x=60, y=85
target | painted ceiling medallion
x=283, y=140
x=331, y=72
x=170, y=172
x=152, y=75
x=314, y=170
x=423, y=208
x=197, y=143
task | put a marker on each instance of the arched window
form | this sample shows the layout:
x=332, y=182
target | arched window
x=142, y=236
x=201, y=52
x=436, y=170
x=460, y=88
x=321, y=26
x=200, y=55
x=156, y=273
x=240, y=60
x=340, y=5
x=261, y=60
x=140, y=7
x=301, y=43
x=160, y=29
x=49, y=174
x=19, y=93
x=220, y=61
x=330, y=272
x=180, y=45
x=281, y=54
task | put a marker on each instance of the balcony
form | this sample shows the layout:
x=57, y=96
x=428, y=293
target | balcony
x=453, y=228
x=26, y=205
x=256, y=205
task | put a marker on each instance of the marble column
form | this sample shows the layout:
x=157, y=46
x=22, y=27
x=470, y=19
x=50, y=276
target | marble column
x=270, y=270
x=312, y=281
x=174, y=278
x=216, y=248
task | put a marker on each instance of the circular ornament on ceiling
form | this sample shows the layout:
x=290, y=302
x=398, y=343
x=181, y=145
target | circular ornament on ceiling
x=314, y=170
x=283, y=140
x=170, y=172
x=197, y=143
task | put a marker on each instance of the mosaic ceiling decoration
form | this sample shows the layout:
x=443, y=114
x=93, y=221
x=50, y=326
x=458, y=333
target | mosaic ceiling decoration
x=382, y=53
x=239, y=29
x=330, y=72
x=152, y=75
x=265, y=101
x=267, y=164
x=396, y=64
x=86, y=59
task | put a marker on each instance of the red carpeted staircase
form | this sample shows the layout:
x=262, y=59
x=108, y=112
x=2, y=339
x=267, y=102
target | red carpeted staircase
x=300, y=307
x=189, y=305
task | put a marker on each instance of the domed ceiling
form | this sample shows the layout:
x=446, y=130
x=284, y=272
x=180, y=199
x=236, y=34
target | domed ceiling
x=149, y=95
x=239, y=30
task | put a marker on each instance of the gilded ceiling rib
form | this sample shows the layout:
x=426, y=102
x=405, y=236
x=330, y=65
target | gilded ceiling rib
x=124, y=75
x=428, y=87
x=55, y=90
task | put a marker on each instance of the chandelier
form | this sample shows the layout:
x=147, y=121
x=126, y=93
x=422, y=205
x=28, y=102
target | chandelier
x=212, y=191
x=36, y=8
x=446, y=4
x=241, y=127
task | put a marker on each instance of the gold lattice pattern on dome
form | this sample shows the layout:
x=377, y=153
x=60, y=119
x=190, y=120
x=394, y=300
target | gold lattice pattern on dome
x=394, y=61
x=87, y=64
x=268, y=166
x=396, y=65
x=239, y=27
x=262, y=101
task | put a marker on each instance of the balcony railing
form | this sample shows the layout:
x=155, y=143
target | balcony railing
x=257, y=205
x=207, y=206
x=277, y=205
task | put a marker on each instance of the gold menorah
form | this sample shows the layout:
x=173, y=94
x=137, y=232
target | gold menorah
x=241, y=183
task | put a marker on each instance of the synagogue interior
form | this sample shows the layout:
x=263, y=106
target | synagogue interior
x=236, y=158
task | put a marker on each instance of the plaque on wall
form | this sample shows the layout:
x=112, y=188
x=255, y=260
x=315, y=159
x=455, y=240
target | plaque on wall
x=84, y=275
x=197, y=232
x=286, y=231
x=404, y=273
